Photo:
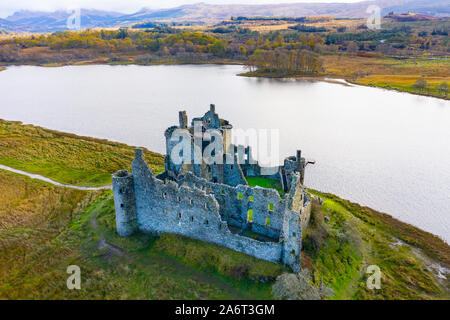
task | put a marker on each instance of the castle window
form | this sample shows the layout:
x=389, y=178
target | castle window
x=267, y=222
x=231, y=167
x=121, y=205
x=179, y=215
x=270, y=206
x=250, y=215
x=294, y=234
x=206, y=222
x=250, y=198
x=191, y=202
x=164, y=195
x=222, y=191
x=240, y=196
x=179, y=199
x=192, y=219
x=121, y=190
x=206, y=205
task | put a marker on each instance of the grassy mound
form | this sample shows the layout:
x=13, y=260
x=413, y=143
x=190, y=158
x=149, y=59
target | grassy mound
x=345, y=238
x=48, y=228
x=44, y=229
x=64, y=157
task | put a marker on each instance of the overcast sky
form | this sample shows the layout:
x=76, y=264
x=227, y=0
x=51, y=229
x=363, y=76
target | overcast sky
x=8, y=7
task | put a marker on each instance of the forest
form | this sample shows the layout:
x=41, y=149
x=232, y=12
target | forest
x=394, y=57
x=297, y=45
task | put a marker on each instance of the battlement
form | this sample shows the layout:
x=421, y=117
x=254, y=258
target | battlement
x=216, y=204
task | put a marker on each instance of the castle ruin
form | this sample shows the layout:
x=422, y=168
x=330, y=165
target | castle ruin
x=213, y=202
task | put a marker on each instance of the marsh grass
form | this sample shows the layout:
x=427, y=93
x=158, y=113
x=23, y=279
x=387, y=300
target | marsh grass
x=354, y=237
x=382, y=72
x=45, y=228
x=64, y=157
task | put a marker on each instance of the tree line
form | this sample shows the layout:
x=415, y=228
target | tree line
x=285, y=62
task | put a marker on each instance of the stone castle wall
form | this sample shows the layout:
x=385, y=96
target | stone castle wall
x=197, y=208
x=235, y=203
x=166, y=207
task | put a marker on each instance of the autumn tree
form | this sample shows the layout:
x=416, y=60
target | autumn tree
x=421, y=84
x=443, y=89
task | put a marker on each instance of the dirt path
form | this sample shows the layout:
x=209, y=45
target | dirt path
x=48, y=180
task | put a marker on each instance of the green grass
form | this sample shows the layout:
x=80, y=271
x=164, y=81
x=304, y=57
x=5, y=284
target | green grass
x=405, y=84
x=49, y=228
x=44, y=229
x=339, y=250
x=64, y=157
x=266, y=183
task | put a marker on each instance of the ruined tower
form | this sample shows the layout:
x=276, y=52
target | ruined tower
x=214, y=202
x=124, y=202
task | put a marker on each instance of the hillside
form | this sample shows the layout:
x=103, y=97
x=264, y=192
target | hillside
x=46, y=228
x=29, y=21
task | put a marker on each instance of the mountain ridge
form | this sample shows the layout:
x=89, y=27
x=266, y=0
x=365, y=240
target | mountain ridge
x=39, y=21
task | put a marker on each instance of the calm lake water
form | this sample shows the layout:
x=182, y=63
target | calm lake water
x=386, y=150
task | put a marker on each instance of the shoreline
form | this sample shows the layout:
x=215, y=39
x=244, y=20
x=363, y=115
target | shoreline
x=384, y=216
x=40, y=174
x=367, y=236
x=330, y=78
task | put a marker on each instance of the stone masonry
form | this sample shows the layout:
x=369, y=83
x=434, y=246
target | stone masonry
x=213, y=202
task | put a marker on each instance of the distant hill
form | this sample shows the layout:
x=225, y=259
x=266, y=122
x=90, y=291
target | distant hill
x=4, y=24
x=37, y=21
x=410, y=17
x=434, y=8
x=31, y=21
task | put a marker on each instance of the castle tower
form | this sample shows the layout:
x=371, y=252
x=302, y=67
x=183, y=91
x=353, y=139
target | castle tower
x=183, y=119
x=124, y=203
x=292, y=240
x=300, y=164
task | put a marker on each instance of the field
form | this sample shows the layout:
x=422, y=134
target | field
x=44, y=229
x=382, y=72
x=389, y=73
x=266, y=183
x=345, y=238
x=394, y=57
x=56, y=155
